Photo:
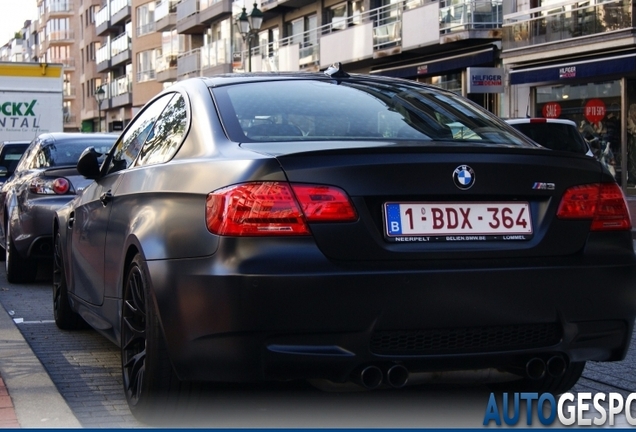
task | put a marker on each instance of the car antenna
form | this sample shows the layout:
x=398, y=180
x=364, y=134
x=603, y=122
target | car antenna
x=336, y=71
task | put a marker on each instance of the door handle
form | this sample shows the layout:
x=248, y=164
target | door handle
x=106, y=197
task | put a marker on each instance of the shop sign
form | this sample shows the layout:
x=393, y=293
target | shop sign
x=594, y=110
x=485, y=80
x=422, y=69
x=551, y=110
x=567, y=72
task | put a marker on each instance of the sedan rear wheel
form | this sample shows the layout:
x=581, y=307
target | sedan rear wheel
x=151, y=386
x=65, y=317
x=19, y=270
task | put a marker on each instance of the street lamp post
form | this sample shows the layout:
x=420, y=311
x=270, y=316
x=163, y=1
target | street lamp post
x=100, y=95
x=248, y=26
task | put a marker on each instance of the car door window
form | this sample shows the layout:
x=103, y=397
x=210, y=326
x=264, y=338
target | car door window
x=167, y=134
x=130, y=143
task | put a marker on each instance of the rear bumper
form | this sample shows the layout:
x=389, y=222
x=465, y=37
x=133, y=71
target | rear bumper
x=33, y=232
x=318, y=319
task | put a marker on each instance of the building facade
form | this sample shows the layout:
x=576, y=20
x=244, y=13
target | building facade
x=556, y=58
x=576, y=60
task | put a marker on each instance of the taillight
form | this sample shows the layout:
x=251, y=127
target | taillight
x=604, y=203
x=274, y=208
x=50, y=186
x=324, y=203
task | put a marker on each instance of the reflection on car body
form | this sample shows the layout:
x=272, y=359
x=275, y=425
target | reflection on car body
x=45, y=179
x=256, y=236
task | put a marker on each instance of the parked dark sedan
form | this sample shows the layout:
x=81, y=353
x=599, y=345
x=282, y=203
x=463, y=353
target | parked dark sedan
x=335, y=227
x=45, y=179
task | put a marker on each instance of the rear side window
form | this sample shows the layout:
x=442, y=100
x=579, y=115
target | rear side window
x=167, y=135
x=317, y=110
x=131, y=141
x=555, y=136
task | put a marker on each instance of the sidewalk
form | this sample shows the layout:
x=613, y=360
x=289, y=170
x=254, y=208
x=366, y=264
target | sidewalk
x=28, y=397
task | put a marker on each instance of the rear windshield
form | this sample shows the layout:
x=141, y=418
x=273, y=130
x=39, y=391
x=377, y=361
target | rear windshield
x=555, y=136
x=358, y=109
x=66, y=154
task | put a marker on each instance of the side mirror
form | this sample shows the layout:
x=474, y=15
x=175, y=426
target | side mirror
x=3, y=171
x=87, y=165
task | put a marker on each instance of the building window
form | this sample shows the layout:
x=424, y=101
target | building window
x=146, y=19
x=146, y=65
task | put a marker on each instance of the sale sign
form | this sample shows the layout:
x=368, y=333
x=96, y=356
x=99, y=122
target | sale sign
x=551, y=110
x=594, y=110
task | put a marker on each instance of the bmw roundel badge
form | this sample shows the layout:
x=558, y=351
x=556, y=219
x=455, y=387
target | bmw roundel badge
x=464, y=177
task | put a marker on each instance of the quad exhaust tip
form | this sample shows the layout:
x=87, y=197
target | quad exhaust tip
x=372, y=376
x=397, y=376
x=369, y=377
x=555, y=366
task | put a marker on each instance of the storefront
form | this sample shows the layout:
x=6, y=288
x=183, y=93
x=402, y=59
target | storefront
x=450, y=71
x=598, y=94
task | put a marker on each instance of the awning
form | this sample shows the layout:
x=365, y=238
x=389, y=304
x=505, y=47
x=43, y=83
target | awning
x=441, y=65
x=591, y=68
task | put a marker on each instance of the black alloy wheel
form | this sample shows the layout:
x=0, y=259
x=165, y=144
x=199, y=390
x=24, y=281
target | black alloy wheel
x=152, y=388
x=65, y=317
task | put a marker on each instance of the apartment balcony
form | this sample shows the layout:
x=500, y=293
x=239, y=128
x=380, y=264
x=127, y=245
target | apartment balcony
x=102, y=21
x=69, y=120
x=57, y=38
x=167, y=68
x=120, y=50
x=120, y=92
x=216, y=58
x=377, y=33
x=68, y=63
x=120, y=12
x=189, y=64
x=214, y=10
x=470, y=19
x=166, y=15
x=565, y=23
x=69, y=92
x=415, y=26
x=103, y=59
x=188, y=18
x=58, y=9
x=273, y=5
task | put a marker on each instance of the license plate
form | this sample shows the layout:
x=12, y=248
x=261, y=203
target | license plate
x=458, y=221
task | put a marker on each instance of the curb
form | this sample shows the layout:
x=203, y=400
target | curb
x=35, y=400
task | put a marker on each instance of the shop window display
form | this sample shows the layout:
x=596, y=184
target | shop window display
x=595, y=107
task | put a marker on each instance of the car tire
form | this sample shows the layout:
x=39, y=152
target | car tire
x=19, y=270
x=547, y=384
x=153, y=391
x=65, y=317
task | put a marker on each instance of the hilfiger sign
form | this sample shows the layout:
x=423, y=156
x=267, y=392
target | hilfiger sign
x=485, y=80
x=567, y=72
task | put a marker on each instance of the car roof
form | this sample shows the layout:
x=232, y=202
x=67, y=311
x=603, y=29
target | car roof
x=234, y=78
x=71, y=137
x=539, y=120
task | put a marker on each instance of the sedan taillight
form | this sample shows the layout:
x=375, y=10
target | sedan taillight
x=275, y=208
x=50, y=186
x=604, y=203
